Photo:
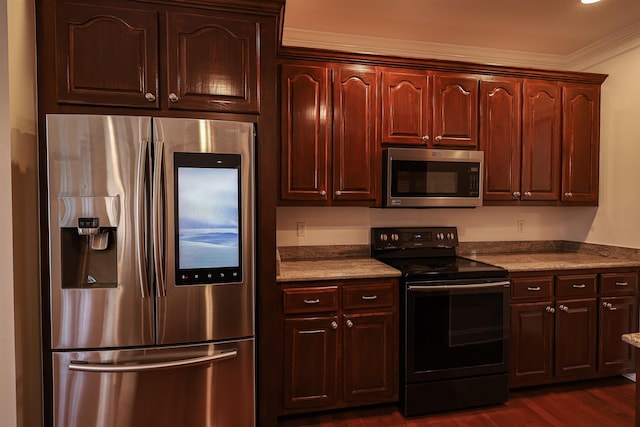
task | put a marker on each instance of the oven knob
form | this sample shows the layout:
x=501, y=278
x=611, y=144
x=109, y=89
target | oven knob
x=383, y=237
x=395, y=237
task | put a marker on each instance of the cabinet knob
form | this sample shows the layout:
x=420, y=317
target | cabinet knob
x=550, y=309
x=334, y=325
x=323, y=193
x=349, y=324
x=149, y=97
x=528, y=194
x=438, y=138
x=425, y=138
x=338, y=193
x=563, y=307
x=569, y=194
x=609, y=306
x=516, y=194
x=173, y=97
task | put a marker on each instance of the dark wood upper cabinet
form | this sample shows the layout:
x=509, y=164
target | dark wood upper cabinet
x=212, y=63
x=429, y=109
x=541, y=141
x=106, y=55
x=580, y=143
x=500, y=137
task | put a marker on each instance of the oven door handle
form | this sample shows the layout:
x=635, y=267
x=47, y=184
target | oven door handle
x=465, y=286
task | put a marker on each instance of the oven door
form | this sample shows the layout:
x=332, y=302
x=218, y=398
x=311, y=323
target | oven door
x=455, y=330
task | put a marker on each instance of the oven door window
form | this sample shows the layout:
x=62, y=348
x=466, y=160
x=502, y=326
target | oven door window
x=411, y=178
x=456, y=332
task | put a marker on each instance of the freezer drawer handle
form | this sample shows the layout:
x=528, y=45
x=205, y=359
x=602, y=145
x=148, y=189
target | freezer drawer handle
x=105, y=367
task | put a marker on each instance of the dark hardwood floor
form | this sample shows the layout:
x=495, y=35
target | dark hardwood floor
x=601, y=403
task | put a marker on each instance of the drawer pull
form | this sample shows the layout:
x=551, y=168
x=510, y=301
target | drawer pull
x=579, y=285
x=622, y=284
x=369, y=298
x=311, y=301
x=534, y=288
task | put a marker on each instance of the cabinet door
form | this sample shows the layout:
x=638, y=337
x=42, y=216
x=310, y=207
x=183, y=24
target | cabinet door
x=455, y=111
x=310, y=362
x=500, y=119
x=531, y=343
x=370, y=346
x=618, y=315
x=355, y=148
x=580, y=143
x=212, y=63
x=406, y=108
x=576, y=333
x=541, y=133
x=305, y=132
x=106, y=55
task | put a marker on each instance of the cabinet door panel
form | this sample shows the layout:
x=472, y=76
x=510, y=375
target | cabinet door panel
x=541, y=143
x=310, y=362
x=618, y=315
x=581, y=143
x=576, y=337
x=212, y=63
x=369, y=350
x=305, y=132
x=355, y=148
x=500, y=119
x=455, y=111
x=531, y=344
x=106, y=56
x=405, y=107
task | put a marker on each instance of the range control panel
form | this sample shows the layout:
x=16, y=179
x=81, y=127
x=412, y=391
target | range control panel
x=414, y=237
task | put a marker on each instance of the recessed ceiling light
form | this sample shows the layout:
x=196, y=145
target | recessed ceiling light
x=589, y=1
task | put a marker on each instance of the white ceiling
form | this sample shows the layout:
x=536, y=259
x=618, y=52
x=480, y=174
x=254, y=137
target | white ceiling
x=547, y=33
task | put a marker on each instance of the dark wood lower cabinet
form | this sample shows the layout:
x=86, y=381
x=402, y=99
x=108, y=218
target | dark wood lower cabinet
x=571, y=330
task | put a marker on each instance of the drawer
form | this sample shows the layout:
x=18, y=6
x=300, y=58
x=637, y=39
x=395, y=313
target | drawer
x=579, y=285
x=310, y=300
x=532, y=287
x=619, y=283
x=368, y=296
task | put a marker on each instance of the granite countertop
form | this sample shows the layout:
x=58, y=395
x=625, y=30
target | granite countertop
x=353, y=268
x=553, y=261
x=633, y=339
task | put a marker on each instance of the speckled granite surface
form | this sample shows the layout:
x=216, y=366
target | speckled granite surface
x=633, y=339
x=348, y=268
x=553, y=261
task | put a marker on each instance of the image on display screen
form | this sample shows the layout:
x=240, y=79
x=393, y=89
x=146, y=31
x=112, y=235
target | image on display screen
x=208, y=235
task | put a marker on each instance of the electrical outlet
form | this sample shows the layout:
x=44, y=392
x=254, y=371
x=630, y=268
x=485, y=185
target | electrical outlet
x=302, y=229
x=520, y=225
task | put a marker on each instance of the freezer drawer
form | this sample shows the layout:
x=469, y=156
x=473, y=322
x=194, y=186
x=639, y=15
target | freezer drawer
x=204, y=385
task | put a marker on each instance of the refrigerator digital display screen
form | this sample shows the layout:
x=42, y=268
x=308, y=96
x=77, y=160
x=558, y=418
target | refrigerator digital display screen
x=208, y=231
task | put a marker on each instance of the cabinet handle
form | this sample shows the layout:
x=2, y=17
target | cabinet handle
x=425, y=138
x=516, y=194
x=569, y=194
x=563, y=307
x=149, y=97
x=173, y=97
x=338, y=193
x=609, y=306
x=550, y=309
x=534, y=288
x=438, y=138
x=622, y=284
x=334, y=325
x=579, y=285
x=323, y=193
x=528, y=194
x=349, y=324
x=369, y=298
x=311, y=301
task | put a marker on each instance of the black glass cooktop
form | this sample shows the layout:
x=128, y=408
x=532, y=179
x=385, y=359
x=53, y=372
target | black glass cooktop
x=444, y=268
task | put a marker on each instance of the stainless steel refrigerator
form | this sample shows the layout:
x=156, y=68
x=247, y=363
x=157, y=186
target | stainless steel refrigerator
x=151, y=259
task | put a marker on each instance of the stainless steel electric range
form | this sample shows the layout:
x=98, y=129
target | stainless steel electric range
x=454, y=321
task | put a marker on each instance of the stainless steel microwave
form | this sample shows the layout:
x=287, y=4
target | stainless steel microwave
x=419, y=177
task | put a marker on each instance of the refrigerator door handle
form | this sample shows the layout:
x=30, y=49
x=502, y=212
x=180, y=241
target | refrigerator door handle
x=140, y=203
x=76, y=365
x=157, y=217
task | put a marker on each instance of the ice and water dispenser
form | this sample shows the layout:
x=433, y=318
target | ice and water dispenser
x=88, y=240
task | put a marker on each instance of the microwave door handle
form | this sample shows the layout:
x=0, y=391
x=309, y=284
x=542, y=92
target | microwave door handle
x=139, y=217
x=156, y=215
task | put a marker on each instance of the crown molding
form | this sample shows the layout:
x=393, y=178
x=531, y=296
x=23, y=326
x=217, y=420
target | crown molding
x=614, y=44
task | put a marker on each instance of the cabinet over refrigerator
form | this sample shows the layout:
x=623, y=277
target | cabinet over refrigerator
x=151, y=266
